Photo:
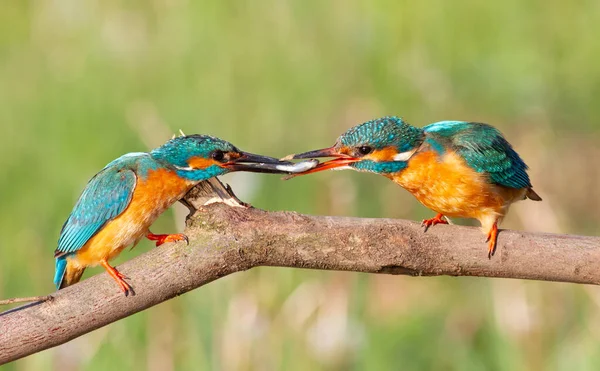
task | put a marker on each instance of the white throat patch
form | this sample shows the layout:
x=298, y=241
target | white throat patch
x=404, y=156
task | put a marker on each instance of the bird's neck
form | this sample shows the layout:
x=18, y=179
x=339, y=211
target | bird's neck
x=413, y=137
x=199, y=175
x=381, y=167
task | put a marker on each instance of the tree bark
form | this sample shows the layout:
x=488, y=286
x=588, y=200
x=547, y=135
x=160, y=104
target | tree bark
x=228, y=237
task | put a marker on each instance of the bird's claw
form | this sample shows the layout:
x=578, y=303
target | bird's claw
x=492, y=239
x=119, y=278
x=491, y=247
x=438, y=219
x=121, y=275
x=162, y=238
x=127, y=289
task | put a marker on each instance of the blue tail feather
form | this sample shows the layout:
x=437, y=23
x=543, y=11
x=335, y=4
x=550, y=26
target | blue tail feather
x=59, y=273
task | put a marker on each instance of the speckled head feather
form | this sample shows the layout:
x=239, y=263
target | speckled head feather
x=389, y=131
x=199, y=157
x=383, y=134
x=179, y=150
x=380, y=146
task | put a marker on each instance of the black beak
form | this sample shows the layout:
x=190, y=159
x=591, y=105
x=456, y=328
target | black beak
x=258, y=164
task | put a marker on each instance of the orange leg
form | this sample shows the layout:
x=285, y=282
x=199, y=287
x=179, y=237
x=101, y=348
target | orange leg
x=438, y=219
x=162, y=238
x=119, y=277
x=492, y=239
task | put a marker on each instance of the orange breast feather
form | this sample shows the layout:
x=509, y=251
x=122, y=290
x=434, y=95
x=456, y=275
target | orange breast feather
x=151, y=197
x=447, y=185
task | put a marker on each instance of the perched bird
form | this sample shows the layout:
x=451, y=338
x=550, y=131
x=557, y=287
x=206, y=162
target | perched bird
x=456, y=168
x=119, y=204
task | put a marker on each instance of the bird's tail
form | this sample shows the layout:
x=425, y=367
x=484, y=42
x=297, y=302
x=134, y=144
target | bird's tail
x=66, y=274
x=532, y=195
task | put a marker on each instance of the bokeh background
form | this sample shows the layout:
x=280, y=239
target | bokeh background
x=82, y=82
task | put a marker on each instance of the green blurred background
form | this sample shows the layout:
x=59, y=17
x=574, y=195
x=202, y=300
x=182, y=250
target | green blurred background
x=82, y=82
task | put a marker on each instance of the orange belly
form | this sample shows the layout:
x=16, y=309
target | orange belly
x=151, y=197
x=448, y=186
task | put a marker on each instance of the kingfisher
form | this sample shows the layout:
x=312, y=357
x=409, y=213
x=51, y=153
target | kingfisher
x=118, y=204
x=456, y=168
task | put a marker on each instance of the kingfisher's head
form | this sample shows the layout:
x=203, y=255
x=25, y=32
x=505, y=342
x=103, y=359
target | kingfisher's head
x=200, y=157
x=380, y=146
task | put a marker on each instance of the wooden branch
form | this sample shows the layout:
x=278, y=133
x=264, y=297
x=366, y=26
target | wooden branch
x=25, y=299
x=226, y=239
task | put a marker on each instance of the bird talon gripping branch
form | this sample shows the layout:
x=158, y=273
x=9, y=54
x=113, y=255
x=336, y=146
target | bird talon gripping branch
x=119, y=204
x=163, y=238
x=456, y=168
x=438, y=219
x=492, y=239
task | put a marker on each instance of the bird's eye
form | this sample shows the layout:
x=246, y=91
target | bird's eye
x=218, y=155
x=365, y=150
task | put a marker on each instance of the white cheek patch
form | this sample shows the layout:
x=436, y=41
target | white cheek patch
x=404, y=156
x=188, y=168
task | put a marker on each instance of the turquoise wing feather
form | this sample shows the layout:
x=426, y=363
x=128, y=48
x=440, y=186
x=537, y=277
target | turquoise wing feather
x=483, y=148
x=106, y=196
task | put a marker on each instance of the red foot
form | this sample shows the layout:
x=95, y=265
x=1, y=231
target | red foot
x=119, y=277
x=162, y=238
x=492, y=238
x=438, y=219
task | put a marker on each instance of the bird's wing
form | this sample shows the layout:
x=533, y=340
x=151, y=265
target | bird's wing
x=106, y=196
x=483, y=148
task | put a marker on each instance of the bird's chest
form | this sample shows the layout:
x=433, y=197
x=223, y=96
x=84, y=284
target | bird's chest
x=156, y=193
x=447, y=185
x=151, y=197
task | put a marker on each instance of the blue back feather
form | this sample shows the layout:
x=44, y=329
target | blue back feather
x=483, y=148
x=383, y=132
x=106, y=196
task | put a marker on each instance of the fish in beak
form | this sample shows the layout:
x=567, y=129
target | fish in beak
x=264, y=164
x=339, y=160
